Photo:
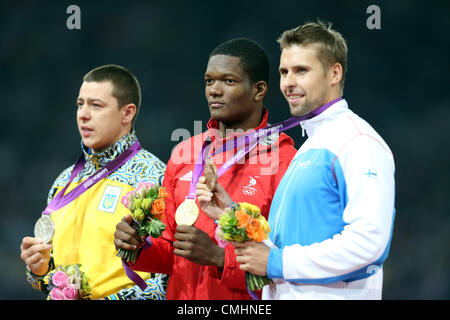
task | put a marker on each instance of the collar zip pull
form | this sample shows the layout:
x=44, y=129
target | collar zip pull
x=94, y=159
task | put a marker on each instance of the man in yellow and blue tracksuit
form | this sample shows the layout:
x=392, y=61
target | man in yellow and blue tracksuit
x=108, y=103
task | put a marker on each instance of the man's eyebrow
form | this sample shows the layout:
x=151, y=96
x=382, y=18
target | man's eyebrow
x=302, y=66
x=90, y=99
x=295, y=67
x=224, y=75
x=230, y=75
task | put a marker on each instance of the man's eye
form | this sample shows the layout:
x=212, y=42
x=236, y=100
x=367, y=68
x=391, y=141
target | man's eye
x=229, y=81
x=208, y=81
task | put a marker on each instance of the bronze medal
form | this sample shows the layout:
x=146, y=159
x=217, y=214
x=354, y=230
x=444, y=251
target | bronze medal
x=210, y=174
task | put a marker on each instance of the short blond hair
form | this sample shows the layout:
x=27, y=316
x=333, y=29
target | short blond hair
x=331, y=46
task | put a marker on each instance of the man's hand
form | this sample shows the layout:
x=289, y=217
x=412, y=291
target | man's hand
x=214, y=202
x=196, y=246
x=35, y=254
x=252, y=256
x=126, y=237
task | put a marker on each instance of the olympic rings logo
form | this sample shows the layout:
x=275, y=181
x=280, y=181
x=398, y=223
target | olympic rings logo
x=249, y=191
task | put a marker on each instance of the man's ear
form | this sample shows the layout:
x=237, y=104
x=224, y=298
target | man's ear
x=128, y=113
x=336, y=73
x=261, y=90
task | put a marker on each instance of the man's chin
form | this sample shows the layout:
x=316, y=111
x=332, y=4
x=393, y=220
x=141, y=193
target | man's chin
x=303, y=108
x=88, y=143
x=297, y=111
x=218, y=115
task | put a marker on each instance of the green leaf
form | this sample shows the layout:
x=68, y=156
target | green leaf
x=152, y=193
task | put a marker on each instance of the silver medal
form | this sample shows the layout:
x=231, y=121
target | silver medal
x=44, y=229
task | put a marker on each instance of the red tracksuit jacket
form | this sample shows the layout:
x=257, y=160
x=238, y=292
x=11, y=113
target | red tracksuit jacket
x=253, y=180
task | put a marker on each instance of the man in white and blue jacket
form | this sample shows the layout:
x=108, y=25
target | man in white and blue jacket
x=332, y=215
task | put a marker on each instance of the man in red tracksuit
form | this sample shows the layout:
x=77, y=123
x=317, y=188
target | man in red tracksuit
x=235, y=86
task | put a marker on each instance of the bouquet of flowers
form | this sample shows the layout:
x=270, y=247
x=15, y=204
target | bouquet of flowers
x=240, y=223
x=146, y=204
x=68, y=283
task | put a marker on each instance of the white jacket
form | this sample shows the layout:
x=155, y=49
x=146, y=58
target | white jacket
x=333, y=212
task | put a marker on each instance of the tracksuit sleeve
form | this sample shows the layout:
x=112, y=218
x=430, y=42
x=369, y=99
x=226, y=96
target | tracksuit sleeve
x=366, y=169
x=158, y=257
x=232, y=276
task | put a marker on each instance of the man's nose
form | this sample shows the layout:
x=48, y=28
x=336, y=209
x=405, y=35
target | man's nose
x=290, y=80
x=215, y=89
x=83, y=111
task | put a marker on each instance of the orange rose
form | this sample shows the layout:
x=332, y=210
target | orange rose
x=162, y=193
x=242, y=217
x=252, y=228
x=158, y=207
x=255, y=231
x=260, y=235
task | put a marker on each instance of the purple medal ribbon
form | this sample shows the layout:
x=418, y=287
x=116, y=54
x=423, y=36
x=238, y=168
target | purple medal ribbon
x=249, y=141
x=198, y=168
x=61, y=200
x=285, y=125
x=56, y=202
x=133, y=276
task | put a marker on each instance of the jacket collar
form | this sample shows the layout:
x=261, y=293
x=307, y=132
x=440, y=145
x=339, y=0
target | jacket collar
x=214, y=124
x=104, y=156
x=214, y=133
x=311, y=125
x=265, y=142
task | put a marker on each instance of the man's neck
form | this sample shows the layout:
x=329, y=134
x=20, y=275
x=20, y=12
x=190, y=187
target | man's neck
x=241, y=126
x=333, y=95
x=100, y=150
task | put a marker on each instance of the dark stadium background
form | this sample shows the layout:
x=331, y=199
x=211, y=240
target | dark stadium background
x=397, y=80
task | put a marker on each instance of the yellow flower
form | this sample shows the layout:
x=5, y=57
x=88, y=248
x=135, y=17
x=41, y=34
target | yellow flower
x=146, y=204
x=138, y=215
x=264, y=224
x=251, y=207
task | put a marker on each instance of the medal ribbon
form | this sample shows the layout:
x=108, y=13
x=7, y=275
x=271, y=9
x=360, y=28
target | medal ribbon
x=198, y=168
x=249, y=141
x=61, y=200
x=133, y=276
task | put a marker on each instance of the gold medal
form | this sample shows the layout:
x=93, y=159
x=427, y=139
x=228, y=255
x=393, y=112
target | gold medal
x=187, y=212
x=44, y=228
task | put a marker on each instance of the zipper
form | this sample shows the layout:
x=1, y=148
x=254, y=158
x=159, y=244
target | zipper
x=281, y=205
